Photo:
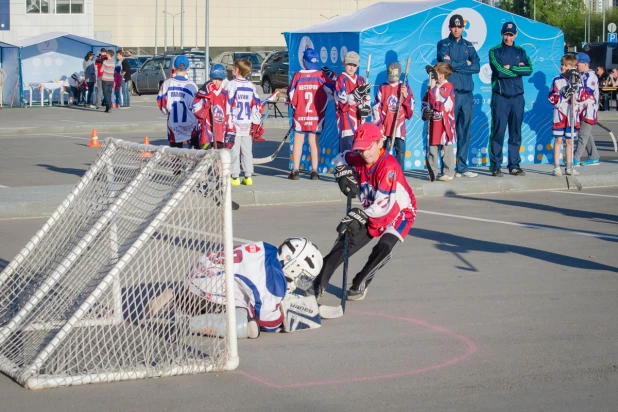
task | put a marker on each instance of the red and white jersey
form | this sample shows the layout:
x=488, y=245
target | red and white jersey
x=385, y=194
x=589, y=97
x=442, y=99
x=244, y=105
x=385, y=107
x=211, y=108
x=348, y=119
x=175, y=99
x=308, y=95
x=260, y=284
x=562, y=107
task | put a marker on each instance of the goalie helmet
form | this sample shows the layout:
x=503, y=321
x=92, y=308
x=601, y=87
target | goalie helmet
x=301, y=261
x=207, y=279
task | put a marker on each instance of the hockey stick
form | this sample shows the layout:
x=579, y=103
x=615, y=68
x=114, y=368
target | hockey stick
x=363, y=120
x=611, y=134
x=332, y=312
x=262, y=160
x=572, y=176
x=430, y=71
x=396, y=120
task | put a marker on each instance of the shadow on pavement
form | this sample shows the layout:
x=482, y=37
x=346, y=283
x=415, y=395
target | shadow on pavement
x=65, y=170
x=461, y=245
x=3, y=264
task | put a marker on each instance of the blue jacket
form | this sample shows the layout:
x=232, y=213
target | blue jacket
x=508, y=82
x=460, y=52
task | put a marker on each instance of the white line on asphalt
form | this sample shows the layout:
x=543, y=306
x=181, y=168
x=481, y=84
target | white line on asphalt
x=585, y=194
x=70, y=137
x=72, y=121
x=3, y=186
x=525, y=225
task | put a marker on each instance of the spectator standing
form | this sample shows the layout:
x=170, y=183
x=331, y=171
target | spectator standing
x=75, y=83
x=90, y=74
x=603, y=82
x=126, y=78
x=99, y=65
x=107, y=79
x=461, y=55
x=508, y=64
x=117, y=87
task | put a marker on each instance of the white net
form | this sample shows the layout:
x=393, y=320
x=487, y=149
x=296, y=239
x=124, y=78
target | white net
x=100, y=294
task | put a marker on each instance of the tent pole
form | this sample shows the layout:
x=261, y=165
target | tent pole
x=165, y=25
x=182, y=22
x=156, y=26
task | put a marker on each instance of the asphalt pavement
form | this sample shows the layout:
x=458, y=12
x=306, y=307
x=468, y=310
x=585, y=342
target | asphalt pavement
x=501, y=302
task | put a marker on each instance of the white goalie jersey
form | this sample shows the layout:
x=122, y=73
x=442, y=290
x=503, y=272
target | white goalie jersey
x=260, y=284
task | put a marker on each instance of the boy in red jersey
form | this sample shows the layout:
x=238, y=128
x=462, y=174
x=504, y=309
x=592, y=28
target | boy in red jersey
x=388, y=212
x=212, y=111
x=308, y=94
x=352, y=99
x=385, y=107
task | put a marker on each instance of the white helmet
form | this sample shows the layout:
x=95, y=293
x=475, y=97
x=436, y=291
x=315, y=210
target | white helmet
x=207, y=279
x=301, y=261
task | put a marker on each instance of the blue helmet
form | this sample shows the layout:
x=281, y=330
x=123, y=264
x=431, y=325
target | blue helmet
x=217, y=71
x=311, y=59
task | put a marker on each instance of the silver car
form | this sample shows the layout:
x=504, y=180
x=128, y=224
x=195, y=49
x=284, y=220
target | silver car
x=154, y=71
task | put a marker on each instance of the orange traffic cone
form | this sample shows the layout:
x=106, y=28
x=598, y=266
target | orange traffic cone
x=146, y=141
x=146, y=154
x=94, y=140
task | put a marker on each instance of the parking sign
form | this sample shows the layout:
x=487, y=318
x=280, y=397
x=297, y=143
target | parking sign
x=611, y=37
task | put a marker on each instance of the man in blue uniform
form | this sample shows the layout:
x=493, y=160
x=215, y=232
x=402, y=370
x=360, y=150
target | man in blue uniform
x=508, y=64
x=461, y=55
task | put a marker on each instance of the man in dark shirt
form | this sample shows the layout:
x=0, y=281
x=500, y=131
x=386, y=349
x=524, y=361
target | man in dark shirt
x=125, y=68
x=603, y=76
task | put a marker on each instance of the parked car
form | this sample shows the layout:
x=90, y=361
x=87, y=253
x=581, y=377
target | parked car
x=136, y=62
x=149, y=77
x=264, y=53
x=275, y=71
x=227, y=59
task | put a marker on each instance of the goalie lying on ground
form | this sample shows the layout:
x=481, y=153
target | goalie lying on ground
x=265, y=279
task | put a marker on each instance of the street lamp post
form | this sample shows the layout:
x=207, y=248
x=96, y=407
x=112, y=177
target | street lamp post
x=206, y=40
x=356, y=4
x=173, y=27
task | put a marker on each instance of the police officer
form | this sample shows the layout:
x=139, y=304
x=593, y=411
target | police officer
x=508, y=64
x=461, y=55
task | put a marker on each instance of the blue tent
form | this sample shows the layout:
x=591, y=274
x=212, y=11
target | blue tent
x=395, y=31
x=9, y=61
x=54, y=56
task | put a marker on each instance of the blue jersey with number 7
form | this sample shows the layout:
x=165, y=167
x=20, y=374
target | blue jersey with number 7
x=244, y=105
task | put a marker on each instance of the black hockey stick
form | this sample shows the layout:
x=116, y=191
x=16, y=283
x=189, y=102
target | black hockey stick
x=430, y=72
x=346, y=250
x=611, y=134
x=574, y=80
x=272, y=157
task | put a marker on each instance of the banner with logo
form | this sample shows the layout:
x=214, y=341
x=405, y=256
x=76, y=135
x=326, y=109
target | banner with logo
x=416, y=36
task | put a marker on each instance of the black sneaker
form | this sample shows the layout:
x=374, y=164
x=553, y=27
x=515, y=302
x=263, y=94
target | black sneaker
x=497, y=173
x=517, y=172
x=315, y=176
x=294, y=175
x=315, y=290
x=354, y=294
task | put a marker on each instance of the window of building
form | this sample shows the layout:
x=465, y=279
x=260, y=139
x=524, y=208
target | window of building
x=55, y=6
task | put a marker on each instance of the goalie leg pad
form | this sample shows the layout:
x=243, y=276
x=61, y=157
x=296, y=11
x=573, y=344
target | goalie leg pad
x=214, y=324
x=300, y=312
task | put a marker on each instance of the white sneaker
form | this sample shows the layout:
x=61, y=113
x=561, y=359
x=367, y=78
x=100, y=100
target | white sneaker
x=571, y=172
x=557, y=171
x=253, y=329
x=445, y=178
x=466, y=174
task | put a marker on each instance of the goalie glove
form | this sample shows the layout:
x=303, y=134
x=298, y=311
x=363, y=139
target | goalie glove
x=569, y=90
x=361, y=92
x=427, y=114
x=256, y=133
x=346, y=179
x=328, y=72
x=353, y=222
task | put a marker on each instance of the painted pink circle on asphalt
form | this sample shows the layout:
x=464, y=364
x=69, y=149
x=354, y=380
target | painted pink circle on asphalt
x=471, y=349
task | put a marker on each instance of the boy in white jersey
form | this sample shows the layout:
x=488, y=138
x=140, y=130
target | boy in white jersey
x=175, y=99
x=245, y=108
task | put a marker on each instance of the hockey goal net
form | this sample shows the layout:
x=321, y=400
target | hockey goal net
x=76, y=302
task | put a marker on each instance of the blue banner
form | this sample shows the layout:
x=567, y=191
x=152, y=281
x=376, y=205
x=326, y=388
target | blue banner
x=5, y=15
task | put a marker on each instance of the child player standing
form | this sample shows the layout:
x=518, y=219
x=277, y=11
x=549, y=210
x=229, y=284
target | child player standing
x=385, y=107
x=589, y=98
x=439, y=110
x=560, y=96
x=175, y=99
x=308, y=95
x=245, y=109
x=387, y=213
x=212, y=111
x=352, y=99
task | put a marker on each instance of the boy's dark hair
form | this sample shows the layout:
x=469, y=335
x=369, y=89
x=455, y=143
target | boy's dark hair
x=569, y=58
x=244, y=67
x=110, y=53
x=444, y=69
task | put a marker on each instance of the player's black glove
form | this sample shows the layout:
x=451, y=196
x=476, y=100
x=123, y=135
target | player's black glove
x=569, y=90
x=346, y=179
x=427, y=114
x=364, y=111
x=361, y=92
x=353, y=222
x=328, y=72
